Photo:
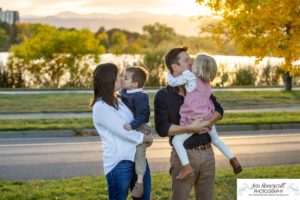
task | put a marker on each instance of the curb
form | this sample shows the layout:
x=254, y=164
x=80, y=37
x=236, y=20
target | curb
x=37, y=134
x=257, y=127
x=222, y=129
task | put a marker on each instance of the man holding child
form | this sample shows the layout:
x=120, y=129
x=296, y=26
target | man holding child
x=167, y=104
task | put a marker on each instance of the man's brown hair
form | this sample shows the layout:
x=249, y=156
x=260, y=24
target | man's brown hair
x=139, y=75
x=172, y=57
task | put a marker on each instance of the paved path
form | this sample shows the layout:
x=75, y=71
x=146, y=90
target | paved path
x=149, y=91
x=51, y=158
x=88, y=114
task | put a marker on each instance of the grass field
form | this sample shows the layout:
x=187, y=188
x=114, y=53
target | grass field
x=91, y=188
x=64, y=103
x=87, y=123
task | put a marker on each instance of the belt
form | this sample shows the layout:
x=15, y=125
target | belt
x=201, y=147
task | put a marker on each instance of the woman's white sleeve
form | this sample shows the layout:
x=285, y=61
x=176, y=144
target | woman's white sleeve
x=187, y=78
x=115, y=124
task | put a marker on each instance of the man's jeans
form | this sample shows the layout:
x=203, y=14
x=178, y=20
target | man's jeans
x=122, y=178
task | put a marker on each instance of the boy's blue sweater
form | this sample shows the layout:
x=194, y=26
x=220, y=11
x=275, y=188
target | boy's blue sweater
x=138, y=103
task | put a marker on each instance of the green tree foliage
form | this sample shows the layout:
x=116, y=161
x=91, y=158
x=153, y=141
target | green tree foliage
x=4, y=40
x=137, y=47
x=5, y=26
x=119, y=42
x=154, y=63
x=52, y=52
x=25, y=30
x=7, y=35
x=103, y=40
x=123, y=41
x=157, y=33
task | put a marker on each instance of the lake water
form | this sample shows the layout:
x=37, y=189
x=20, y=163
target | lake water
x=225, y=63
x=230, y=62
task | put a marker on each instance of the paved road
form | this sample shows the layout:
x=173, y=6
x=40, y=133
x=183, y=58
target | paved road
x=148, y=91
x=88, y=114
x=51, y=158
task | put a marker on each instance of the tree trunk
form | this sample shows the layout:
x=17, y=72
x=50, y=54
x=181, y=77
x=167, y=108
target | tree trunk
x=288, y=60
x=287, y=81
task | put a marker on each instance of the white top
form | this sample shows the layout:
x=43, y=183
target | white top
x=187, y=78
x=118, y=143
x=130, y=91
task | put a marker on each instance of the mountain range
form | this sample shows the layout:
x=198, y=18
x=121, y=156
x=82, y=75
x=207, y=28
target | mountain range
x=132, y=21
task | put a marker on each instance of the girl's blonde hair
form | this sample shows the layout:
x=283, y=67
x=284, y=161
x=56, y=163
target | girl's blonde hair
x=205, y=67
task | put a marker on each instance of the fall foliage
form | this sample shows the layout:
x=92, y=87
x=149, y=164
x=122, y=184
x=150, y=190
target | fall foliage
x=261, y=28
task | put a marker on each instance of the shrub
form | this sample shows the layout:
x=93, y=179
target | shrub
x=271, y=75
x=222, y=76
x=4, y=82
x=245, y=76
x=153, y=62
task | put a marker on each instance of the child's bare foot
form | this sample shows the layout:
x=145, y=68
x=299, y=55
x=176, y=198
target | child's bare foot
x=236, y=166
x=138, y=190
x=186, y=171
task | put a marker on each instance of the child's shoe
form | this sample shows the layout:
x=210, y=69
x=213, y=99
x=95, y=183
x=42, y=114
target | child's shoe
x=138, y=190
x=186, y=171
x=236, y=166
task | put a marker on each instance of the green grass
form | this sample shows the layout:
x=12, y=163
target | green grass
x=45, y=103
x=60, y=103
x=46, y=124
x=257, y=99
x=90, y=188
x=87, y=123
x=260, y=118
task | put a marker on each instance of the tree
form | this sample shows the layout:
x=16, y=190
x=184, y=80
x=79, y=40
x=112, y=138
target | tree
x=25, y=30
x=103, y=39
x=119, y=42
x=11, y=31
x=76, y=46
x=210, y=42
x=158, y=33
x=34, y=54
x=51, y=52
x=153, y=62
x=261, y=28
x=124, y=41
x=137, y=47
x=4, y=40
x=5, y=26
x=100, y=30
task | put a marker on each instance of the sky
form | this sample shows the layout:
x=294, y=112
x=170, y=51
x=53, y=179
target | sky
x=52, y=7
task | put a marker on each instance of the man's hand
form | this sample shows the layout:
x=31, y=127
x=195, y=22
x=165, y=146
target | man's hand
x=199, y=126
x=128, y=127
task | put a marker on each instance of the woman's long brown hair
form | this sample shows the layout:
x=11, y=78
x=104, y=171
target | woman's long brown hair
x=104, y=79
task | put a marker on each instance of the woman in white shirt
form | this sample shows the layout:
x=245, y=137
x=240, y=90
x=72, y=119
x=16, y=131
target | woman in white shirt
x=119, y=145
